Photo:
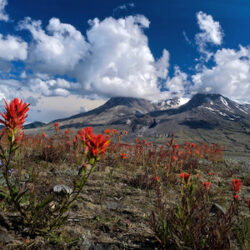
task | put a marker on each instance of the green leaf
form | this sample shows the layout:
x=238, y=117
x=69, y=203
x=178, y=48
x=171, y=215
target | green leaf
x=92, y=161
x=45, y=202
x=19, y=196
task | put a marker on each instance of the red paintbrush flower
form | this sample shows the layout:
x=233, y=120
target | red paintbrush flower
x=95, y=144
x=185, y=176
x=207, y=184
x=56, y=125
x=107, y=131
x=236, y=197
x=174, y=158
x=157, y=178
x=15, y=114
x=84, y=134
x=236, y=184
x=123, y=156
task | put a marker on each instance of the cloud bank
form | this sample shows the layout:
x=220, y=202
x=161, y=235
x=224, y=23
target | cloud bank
x=113, y=60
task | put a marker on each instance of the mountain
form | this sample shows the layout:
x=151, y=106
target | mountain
x=205, y=118
x=34, y=125
x=116, y=111
x=209, y=118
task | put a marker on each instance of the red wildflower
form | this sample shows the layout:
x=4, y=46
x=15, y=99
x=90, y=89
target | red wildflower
x=123, y=156
x=84, y=134
x=56, y=124
x=107, y=131
x=236, y=184
x=236, y=197
x=210, y=174
x=44, y=135
x=207, y=184
x=114, y=131
x=174, y=158
x=125, y=132
x=184, y=176
x=157, y=178
x=15, y=114
x=18, y=138
x=66, y=131
x=95, y=144
x=165, y=166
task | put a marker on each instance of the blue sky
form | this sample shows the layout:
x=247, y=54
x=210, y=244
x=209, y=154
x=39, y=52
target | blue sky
x=69, y=56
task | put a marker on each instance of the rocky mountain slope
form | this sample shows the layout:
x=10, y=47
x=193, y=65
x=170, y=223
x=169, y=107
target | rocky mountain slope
x=204, y=118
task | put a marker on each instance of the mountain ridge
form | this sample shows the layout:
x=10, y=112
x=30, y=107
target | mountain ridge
x=205, y=117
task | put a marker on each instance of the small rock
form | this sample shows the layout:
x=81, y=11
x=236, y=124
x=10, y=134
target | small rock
x=62, y=189
x=217, y=209
x=85, y=243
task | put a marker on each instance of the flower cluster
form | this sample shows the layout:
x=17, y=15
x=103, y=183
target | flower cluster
x=185, y=177
x=207, y=184
x=95, y=145
x=56, y=125
x=236, y=184
x=123, y=156
x=14, y=118
x=15, y=114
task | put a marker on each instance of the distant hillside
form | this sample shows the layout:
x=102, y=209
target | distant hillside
x=204, y=118
x=34, y=125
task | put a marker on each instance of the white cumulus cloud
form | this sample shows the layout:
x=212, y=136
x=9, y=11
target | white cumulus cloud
x=8, y=88
x=177, y=85
x=162, y=65
x=56, y=51
x=113, y=60
x=50, y=87
x=12, y=48
x=211, y=33
x=120, y=61
x=3, y=15
x=230, y=76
